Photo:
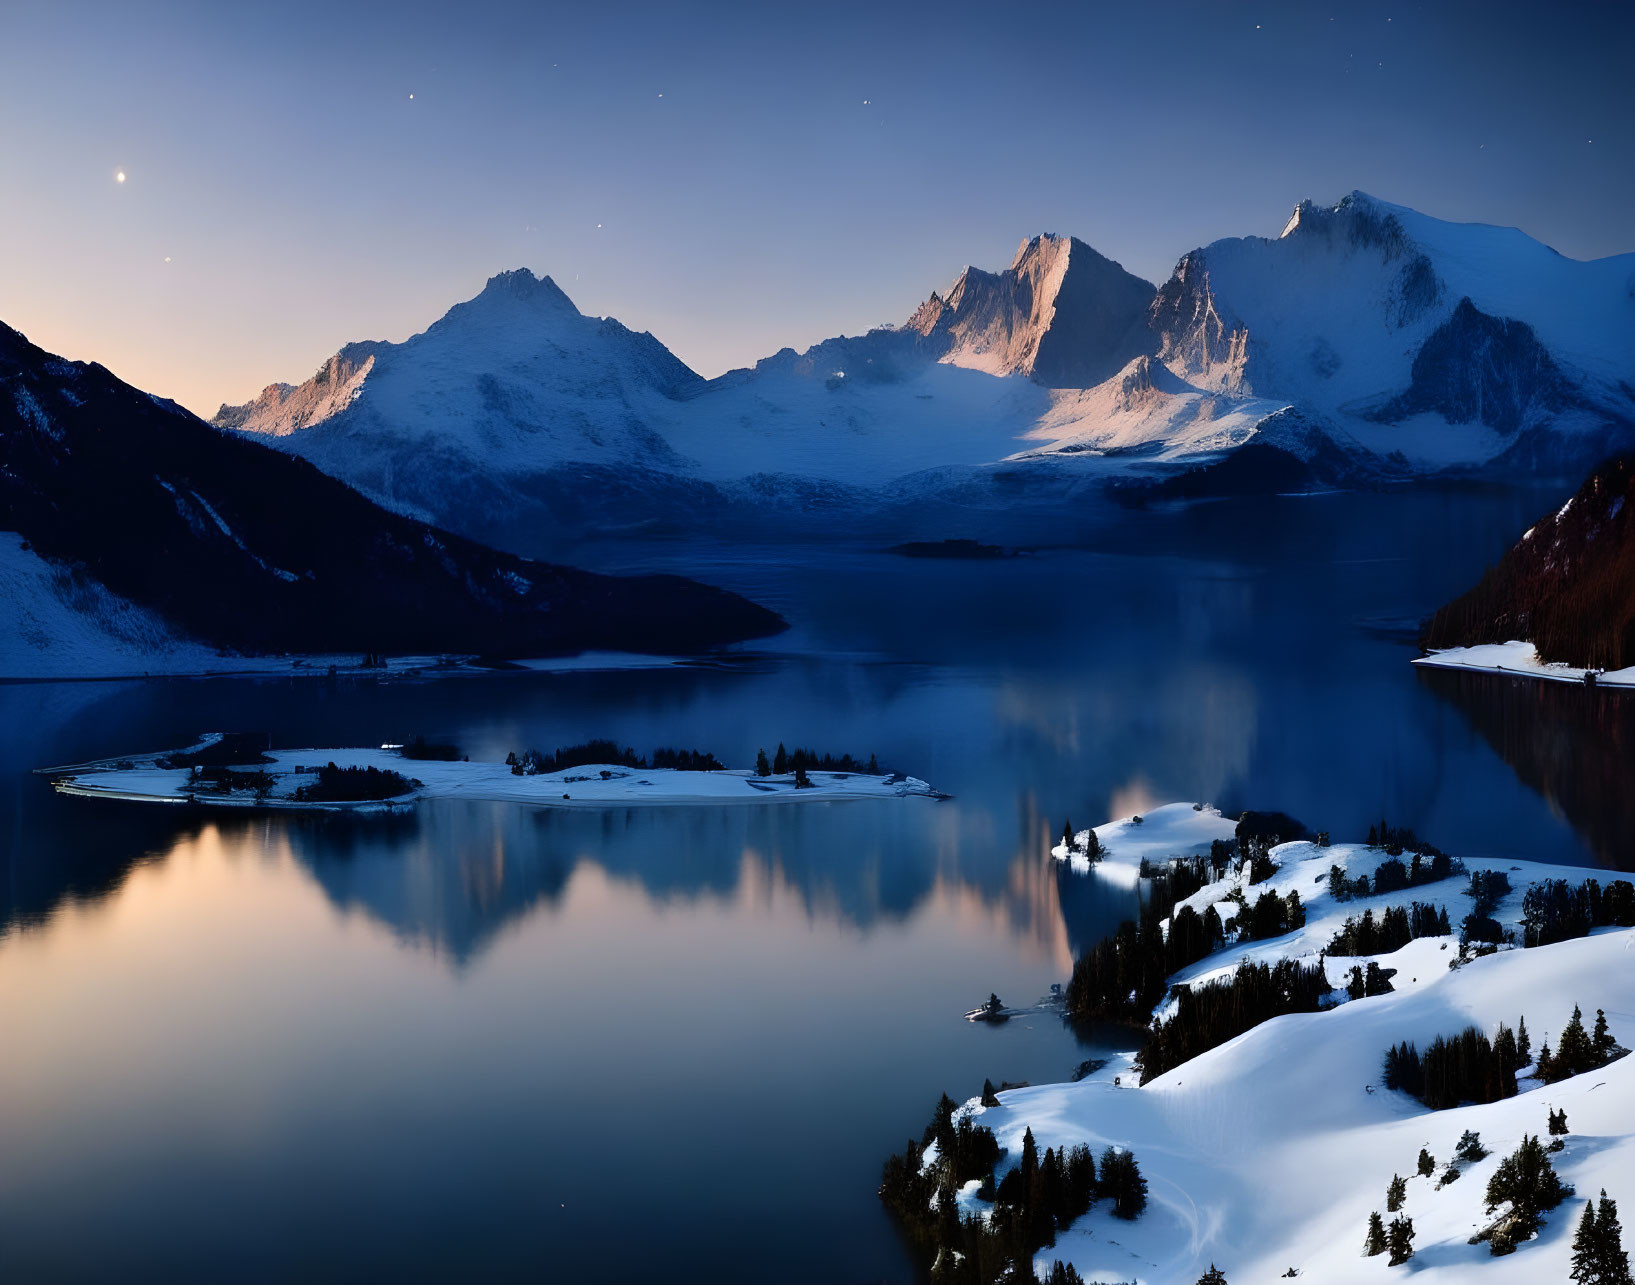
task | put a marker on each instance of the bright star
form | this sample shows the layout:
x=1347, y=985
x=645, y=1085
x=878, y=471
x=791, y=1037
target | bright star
x=119, y=176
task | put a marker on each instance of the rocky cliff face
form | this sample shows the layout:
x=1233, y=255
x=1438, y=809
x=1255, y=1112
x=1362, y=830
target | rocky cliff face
x=1061, y=314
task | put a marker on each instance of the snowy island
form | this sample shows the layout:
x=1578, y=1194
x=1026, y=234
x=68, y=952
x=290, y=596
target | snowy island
x=235, y=771
x=1364, y=1061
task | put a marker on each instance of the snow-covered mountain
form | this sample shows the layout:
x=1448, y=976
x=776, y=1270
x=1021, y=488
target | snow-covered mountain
x=1365, y=341
x=1450, y=344
x=136, y=527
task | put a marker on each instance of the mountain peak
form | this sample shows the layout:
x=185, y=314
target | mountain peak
x=1061, y=314
x=522, y=284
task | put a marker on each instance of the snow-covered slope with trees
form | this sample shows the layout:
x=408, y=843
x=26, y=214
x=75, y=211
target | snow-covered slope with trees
x=1366, y=341
x=1266, y=1154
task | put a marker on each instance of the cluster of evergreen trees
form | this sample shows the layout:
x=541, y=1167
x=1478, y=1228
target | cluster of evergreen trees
x=1037, y=1198
x=1210, y=1014
x=1598, y=1248
x=1526, y=1187
x=1398, y=1238
x=1399, y=839
x=1555, y=910
x=353, y=785
x=1392, y=875
x=801, y=761
x=1394, y=929
x=1466, y=1068
x=611, y=753
x=1365, y=982
x=1121, y=977
x=1578, y=1050
x=1270, y=916
x=224, y=780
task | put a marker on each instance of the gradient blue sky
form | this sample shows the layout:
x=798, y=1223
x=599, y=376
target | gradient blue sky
x=713, y=174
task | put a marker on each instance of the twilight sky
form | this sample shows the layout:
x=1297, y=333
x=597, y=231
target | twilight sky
x=734, y=178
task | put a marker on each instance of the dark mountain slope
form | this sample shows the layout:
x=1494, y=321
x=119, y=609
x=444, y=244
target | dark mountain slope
x=1568, y=585
x=250, y=548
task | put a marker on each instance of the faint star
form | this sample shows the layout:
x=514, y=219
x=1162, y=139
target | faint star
x=411, y=98
x=167, y=258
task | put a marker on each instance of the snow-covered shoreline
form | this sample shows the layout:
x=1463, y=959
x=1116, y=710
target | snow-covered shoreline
x=142, y=779
x=1517, y=659
x=1267, y=1153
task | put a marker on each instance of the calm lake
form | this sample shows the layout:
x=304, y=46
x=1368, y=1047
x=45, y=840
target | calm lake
x=497, y=1043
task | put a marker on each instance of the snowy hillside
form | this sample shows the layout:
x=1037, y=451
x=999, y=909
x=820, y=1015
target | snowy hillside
x=1266, y=1154
x=59, y=623
x=1365, y=342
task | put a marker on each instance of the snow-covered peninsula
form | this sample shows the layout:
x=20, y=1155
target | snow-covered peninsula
x=285, y=779
x=1267, y=1154
x=1520, y=660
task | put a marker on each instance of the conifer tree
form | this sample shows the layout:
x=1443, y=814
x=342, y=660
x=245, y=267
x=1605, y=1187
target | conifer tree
x=1586, y=1258
x=1558, y=1123
x=780, y=761
x=1214, y=1276
x=1470, y=1147
x=1122, y=1182
x=989, y=1097
x=1602, y=1039
x=1030, y=1159
x=1401, y=1240
x=1374, y=1242
x=1427, y=1166
x=1396, y=1193
x=762, y=767
x=1092, y=845
x=1067, y=836
x=1611, y=1258
x=1574, y=1052
x=1524, y=1042
x=874, y=766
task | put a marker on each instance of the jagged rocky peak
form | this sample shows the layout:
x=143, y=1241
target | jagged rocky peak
x=1195, y=332
x=522, y=284
x=1061, y=314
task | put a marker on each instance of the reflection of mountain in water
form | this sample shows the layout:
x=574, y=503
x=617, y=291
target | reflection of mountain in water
x=452, y=876
x=1573, y=745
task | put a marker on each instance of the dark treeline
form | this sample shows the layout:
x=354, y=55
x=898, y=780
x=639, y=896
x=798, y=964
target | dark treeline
x=1397, y=839
x=1211, y=1014
x=798, y=761
x=612, y=754
x=418, y=747
x=1556, y=910
x=1037, y=1198
x=1392, y=875
x=353, y=785
x=1394, y=929
x=1466, y=1068
x=1122, y=977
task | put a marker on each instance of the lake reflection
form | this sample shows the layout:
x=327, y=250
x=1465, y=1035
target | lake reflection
x=488, y=1042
